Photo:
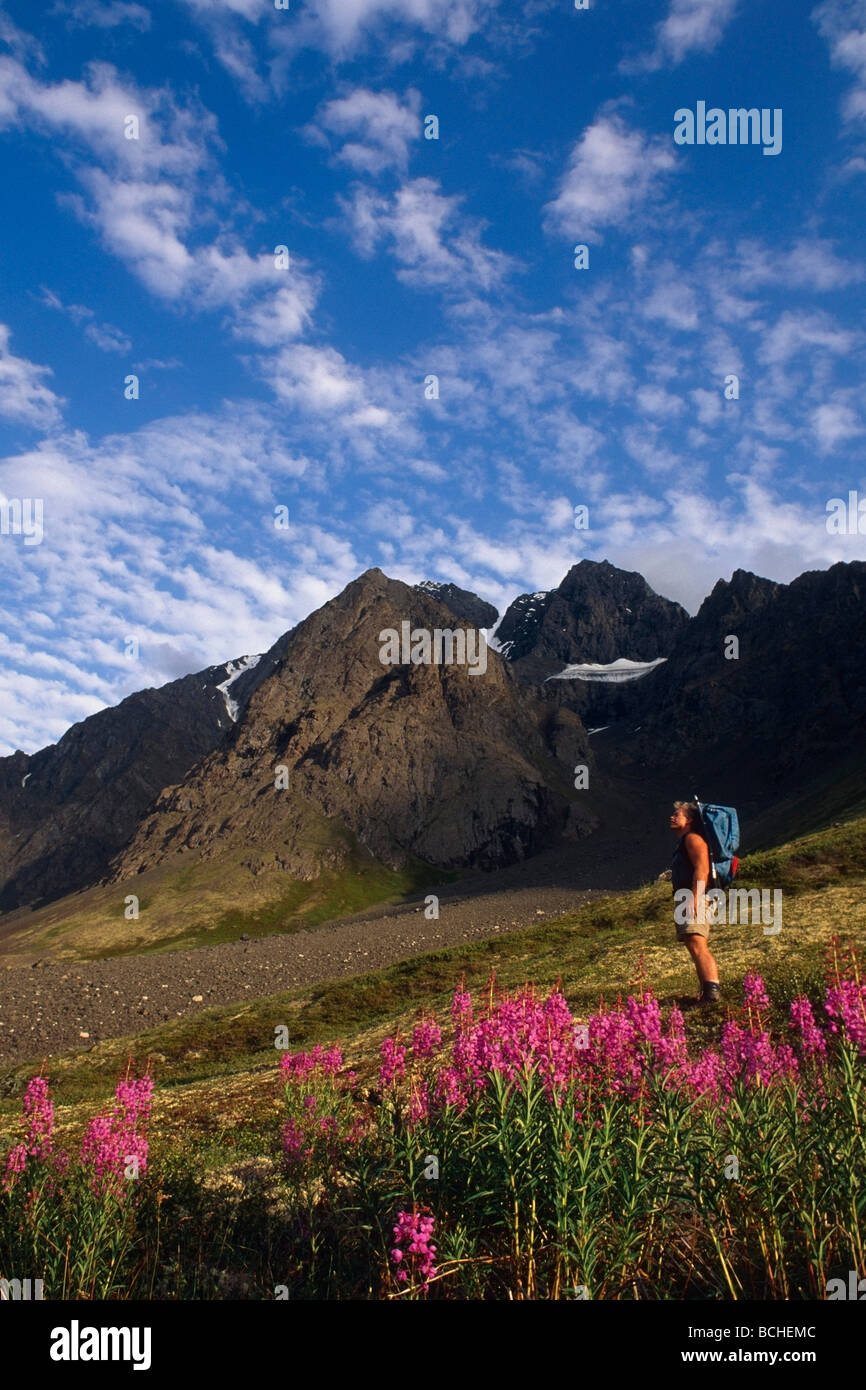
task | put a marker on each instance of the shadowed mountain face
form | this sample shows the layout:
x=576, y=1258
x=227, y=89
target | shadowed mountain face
x=337, y=749
x=597, y=614
x=791, y=703
x=652, y=700
x=65, y=810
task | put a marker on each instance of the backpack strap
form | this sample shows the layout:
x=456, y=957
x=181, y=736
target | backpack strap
x=712, y=877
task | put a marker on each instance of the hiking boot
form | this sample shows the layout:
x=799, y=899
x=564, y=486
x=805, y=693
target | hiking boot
x=710, y=994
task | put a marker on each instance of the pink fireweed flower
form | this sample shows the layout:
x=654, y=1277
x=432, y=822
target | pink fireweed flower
x=16, y=1162
x=113, y=1147
x=846, y=1005
x=449, y=1089
x=111, y=1150
x=671, y=1049
x=755, y=992
x=426, y=1039
x=812, y=1040
x=299, y=1065
x=321, y=1118
x=134, y=1099
x=751, y=1056
x=413, y=1252
x=705, y=1075
x=461, y=1009
x=358, y=1130
x=294, y=1143
x=310, y=1135
x=40, y=1110
x=393, y=1066
x=102, y=1146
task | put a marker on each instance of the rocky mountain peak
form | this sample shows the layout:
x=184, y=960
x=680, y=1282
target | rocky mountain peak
x=409, y=759
x=462, y=603
x=597, y=614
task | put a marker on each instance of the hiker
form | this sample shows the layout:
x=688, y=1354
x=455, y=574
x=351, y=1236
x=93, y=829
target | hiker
x=691, y=869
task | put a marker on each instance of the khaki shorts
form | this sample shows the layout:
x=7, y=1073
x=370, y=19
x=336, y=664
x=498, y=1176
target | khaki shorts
x=693, y=929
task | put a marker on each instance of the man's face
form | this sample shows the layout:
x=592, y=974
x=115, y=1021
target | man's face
x=679, y=819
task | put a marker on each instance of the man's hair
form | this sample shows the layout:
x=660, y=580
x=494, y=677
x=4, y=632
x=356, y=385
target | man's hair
x=691, y=810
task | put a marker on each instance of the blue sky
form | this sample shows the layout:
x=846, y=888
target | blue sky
x=304, y=386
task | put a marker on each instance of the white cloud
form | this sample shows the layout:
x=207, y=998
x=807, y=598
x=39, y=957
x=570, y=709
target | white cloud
x=649, y=450
x=147, y=198
x=690, y=26
x=247, y=9
x=343, y=27
x=105, y=14
x=435, y=244
x=173, y=140
x=795, y=331
x=833, y=424
x=347, y=408
x=143, y=223
x=107, y=338
x=656, y=401
x=708, y=405
x=279, y=317
x=528, y=163
x=612, y=171
x=320, y=379
x=24, y=398
x=19, y=43
x=224, y=21
x=166, y=533
x=811, y=263
x=682, y=541
x=105, y=335
x=672, y=300
x=238, y=56
x=376, y=129
x=843, y=24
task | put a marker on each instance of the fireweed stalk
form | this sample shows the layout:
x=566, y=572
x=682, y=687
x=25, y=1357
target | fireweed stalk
x=114, y=1149
x=322, y=1120
x=413, y=1253
x=39, y=1111
x=72, y=1218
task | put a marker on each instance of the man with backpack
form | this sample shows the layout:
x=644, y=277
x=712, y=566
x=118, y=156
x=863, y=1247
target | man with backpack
x=691, y=869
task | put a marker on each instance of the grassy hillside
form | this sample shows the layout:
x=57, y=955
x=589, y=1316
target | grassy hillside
x=203, y=903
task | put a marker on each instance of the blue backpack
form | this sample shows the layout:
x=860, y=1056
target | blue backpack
x=721, y=827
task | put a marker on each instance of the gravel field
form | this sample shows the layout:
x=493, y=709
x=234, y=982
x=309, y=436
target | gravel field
x=52, y=1007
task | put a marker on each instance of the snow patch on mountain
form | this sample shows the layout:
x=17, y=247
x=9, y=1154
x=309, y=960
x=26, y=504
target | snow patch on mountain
x=493, y=641
x=235, y=669
x=620, y=670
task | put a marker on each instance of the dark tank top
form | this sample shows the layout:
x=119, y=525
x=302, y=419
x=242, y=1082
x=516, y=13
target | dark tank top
x=682, y=872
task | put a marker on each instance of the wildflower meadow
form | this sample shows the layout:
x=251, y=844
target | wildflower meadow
x=506, y=1150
